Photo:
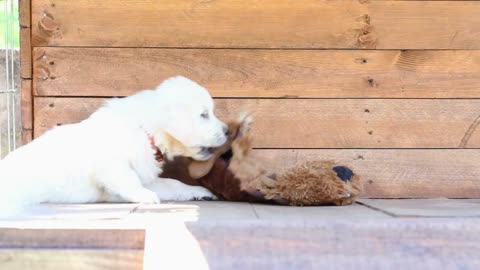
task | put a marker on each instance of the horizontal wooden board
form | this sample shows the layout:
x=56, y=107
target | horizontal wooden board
x=258, y=24
x=75, y=259
x=72, y=238
x=260, y=73
x=321, y=123
x=395, y=173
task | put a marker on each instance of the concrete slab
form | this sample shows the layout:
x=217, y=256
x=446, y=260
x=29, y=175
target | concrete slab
x=316, y=213
x=427, y=207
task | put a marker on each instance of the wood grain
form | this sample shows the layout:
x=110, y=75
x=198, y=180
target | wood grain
x=395, y=173
x=258, y=24
x=81, y=259
x=260, y=73
x=27, y=136
x=25, y=54
x=27, y=111
x=25, y=42
x=24, y=12
x=320, y=123
x=71, y=238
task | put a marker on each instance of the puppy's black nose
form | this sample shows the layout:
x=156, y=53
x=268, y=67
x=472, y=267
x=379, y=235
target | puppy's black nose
x=225, y=130
x=344, y=173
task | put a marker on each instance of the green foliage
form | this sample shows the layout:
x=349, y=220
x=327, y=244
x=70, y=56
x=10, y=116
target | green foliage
x=13, y=24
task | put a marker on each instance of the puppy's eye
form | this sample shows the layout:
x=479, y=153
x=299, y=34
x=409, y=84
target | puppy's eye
x=204, y=115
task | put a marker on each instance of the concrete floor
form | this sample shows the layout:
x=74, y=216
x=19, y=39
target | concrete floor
x=372, y=234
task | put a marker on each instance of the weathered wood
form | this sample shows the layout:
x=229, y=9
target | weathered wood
x=27, y=136
x=395, y=173
x=25, y=44
x=254, y=24
x=25, y=54
x=321, y=123
x=27, y=111
x=24, y=12
x=26, y=71
x=81, y=259
x=260, y=73
x=71, y=238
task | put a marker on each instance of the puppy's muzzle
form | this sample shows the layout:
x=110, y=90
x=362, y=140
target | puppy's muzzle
x=221, y=137
x=205, y=153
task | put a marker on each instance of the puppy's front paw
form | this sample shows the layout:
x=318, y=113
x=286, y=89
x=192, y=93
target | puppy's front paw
x=214, y=198
x=200, y=194
x=146, y=196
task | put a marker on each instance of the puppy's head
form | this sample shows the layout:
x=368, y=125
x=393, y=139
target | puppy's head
x=191, y=120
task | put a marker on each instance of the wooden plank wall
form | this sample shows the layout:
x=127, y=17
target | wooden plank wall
x=26, y=70
x=389, y=87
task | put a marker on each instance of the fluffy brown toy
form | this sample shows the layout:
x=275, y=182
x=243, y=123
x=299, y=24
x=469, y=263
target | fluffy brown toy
x=233, y=174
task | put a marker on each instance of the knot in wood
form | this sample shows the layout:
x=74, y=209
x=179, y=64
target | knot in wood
x=49, y=26
x=41, y=72
x=367, y=39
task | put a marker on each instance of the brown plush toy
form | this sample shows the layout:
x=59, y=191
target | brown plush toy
x=233, y=174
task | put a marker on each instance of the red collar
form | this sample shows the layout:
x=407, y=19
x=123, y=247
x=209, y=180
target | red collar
x=158, y=154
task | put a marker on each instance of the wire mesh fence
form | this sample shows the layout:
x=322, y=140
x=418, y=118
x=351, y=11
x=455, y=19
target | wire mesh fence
x=10, y=131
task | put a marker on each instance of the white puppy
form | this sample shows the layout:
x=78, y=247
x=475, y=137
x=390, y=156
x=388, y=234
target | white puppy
x=110, y=156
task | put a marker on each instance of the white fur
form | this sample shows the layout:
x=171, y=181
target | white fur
x=108, y=157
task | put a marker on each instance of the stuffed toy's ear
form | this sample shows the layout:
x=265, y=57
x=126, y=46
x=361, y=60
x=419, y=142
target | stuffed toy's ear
x=236, y=129
x=245, y=122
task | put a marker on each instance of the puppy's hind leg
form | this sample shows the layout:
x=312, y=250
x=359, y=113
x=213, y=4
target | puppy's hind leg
x=174, y=190
x=126, y=184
